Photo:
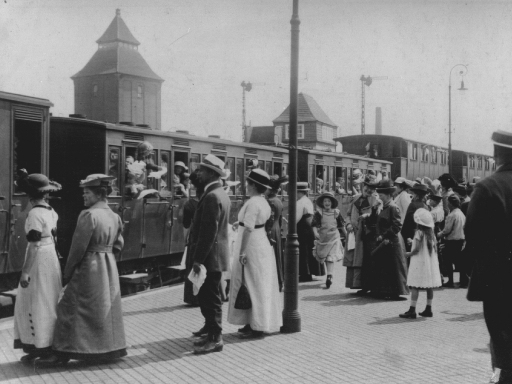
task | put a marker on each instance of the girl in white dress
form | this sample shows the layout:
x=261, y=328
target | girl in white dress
x=260, y=271
x=424, y=268
x=41, y=281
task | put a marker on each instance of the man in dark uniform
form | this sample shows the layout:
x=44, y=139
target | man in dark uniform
x=489, y=244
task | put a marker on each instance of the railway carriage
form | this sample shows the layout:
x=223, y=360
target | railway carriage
x=67, y=149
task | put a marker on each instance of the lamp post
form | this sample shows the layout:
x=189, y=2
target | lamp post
x=291, y=316
x=462, y=73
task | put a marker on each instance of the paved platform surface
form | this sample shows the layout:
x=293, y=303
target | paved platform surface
x=344, y=339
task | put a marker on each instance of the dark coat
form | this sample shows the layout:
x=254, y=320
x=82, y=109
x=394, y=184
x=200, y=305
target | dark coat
x=409, y=226
x=208, y=238
x=488, y=232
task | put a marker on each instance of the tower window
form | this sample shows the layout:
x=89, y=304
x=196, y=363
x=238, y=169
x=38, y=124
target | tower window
x=95, y=90
x=139, y=91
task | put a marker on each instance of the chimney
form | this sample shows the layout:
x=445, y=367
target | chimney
x=378, y=121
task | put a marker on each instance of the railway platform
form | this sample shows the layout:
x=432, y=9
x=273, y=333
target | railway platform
x=344, y=339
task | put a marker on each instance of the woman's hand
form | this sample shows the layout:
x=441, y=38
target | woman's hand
x=386, y=241
x=235, y=226
x=25, y=280
x=350, y=228
x=409, y=241
x=242, y=259
x=408, y=254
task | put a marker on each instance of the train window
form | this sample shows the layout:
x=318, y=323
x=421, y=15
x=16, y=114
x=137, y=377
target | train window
x=230, y=165
x=179, y=172
x=195, y=159
x=479, y=163
x=332, y=182
x=139, y=91
x=239, y=176
x=486, y=164
x=434, y=155
x=472, y=161
x=285, y=170
x=268, y=167
x=349, y=176
x=414, y=152
x=320, y=178
x=134, y=178
x=261, y=164
x=424, y=154
x=277, y=170
x=27, y=143
x=152, y=182
x=114, y=168
x=164, y=174
x=95, y=90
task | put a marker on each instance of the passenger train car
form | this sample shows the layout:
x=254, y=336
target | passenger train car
x=412, y=159
x=67, y=149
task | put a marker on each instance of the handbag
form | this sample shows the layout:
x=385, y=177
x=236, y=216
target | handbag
x=243, y=299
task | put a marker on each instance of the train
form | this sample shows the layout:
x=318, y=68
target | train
x=67, y=149
x=412, y=159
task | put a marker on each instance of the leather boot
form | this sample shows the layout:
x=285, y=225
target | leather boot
x=427, y=312
x=328, y=281
x=202, y=332
x=410, y=314
x=214, y=343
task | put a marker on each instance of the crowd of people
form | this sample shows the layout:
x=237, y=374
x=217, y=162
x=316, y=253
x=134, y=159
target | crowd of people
x=396, y=238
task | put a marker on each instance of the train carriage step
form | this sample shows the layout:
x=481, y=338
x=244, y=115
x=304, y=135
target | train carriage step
x=177, y=267
x=134, y=283
x=12, y=294
x=135, y=278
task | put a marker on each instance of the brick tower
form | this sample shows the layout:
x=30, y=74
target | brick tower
x=117, y=84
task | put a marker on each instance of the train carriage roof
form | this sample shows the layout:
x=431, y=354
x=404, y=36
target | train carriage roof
x=25, y=99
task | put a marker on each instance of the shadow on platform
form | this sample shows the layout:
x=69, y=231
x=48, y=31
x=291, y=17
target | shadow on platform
x=396, y=320
x=158, y=310
x=463, y=317
x=343, y=299
x=305, y=287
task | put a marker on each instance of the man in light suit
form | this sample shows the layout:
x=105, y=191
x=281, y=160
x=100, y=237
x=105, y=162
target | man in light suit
x=209, y=246
x=488, y=243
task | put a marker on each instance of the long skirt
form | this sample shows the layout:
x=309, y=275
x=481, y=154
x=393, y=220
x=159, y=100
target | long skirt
x=35, y=312
x=89, y=315
x=389, y=270
x=260, y=277
x=353, y=260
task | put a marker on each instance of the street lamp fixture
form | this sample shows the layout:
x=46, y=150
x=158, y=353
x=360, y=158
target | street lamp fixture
x=462, y=72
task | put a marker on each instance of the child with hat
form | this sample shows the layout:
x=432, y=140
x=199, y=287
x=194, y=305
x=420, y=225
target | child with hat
x=424, y=267
x=326, y=222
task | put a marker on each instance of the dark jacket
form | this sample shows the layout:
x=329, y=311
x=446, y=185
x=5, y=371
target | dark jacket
x=409, y=225
x=488, y=237
x=209, y=234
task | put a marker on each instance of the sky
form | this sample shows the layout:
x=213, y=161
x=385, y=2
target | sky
x=204, y=49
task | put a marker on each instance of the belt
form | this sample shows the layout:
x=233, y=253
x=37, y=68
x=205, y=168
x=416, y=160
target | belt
x=47, y=240
x=255, y=227
x=99, y=248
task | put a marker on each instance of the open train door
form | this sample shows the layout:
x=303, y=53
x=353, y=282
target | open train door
x=28, y=141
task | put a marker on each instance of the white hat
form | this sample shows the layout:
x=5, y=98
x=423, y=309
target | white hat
x=400, y=180
x=259, y=176
x=96, y=180
x=181, y=164
x=423, y=217
x=214, y=163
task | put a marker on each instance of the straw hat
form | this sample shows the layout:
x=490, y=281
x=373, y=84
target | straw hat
x=320, y=199
x=423, y=217
x=419, y=188
x=259, y=176
x=96, y=180
x=214, y=163
x=386, y=186
x=181, y=164
x=36, y=183
x=302, y=186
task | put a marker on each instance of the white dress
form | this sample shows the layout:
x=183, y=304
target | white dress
x=260, y=272
x=424, y=267
x=35, y=311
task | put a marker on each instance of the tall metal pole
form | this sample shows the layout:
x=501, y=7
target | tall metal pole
x=243, y=113
x=363, y=117
x=462, y=88
x=450, y=125
x=291, y=316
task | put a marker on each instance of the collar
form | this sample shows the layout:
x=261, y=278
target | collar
x=209, y=185
x=100, y=205
x=504, y=167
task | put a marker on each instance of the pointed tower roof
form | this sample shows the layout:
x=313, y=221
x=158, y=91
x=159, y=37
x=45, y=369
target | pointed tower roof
x=117, y=53
x=308, y=110
x=118, y=31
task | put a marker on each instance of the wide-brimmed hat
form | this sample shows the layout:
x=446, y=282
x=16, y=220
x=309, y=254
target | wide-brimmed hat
x=214, y=163
x=401, y=180
x=36, y=183
x=371, y=182
x=96, y=180
x=275, y=182
x=320, y=199
x=423, y=217
x=419, y=188
x=447, y=179
x=386, y=186
x=252, y=163
x=502, y=138
x=145, y=149
x=435, y=197
x=181, y=164
x=302, y=186
x=259, y=176
x=461, y=190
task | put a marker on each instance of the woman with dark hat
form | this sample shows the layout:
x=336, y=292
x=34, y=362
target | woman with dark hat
x=89, y=315
x=388, y=265
x=308, y=265
x=360, y=238
x=447, y=184
x=275, y=232
x=256, y=265
x=35, y=312
x=419, y=192
x=325, y=224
